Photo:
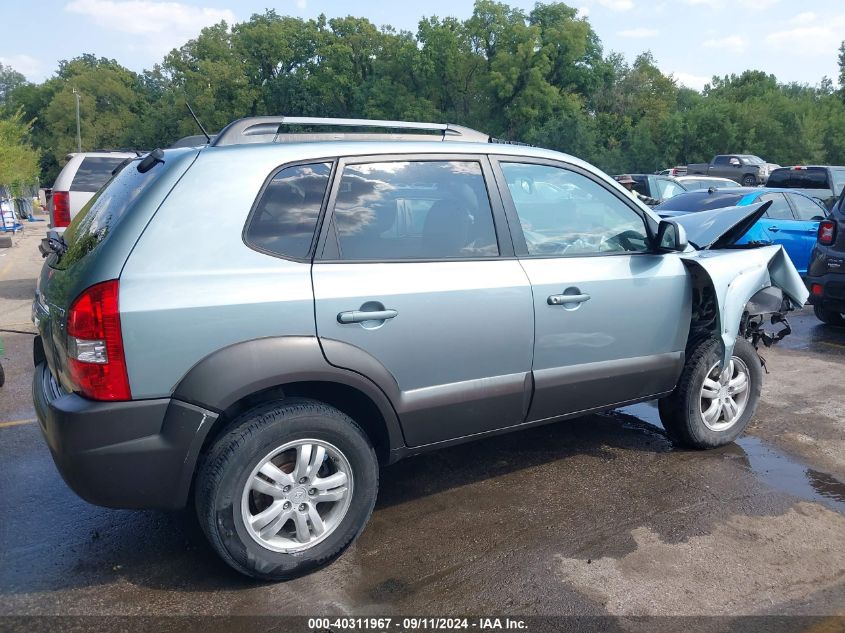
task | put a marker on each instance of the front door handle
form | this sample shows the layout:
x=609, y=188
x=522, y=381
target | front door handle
x=773, y=229
x=559, y=300
x=360, y=316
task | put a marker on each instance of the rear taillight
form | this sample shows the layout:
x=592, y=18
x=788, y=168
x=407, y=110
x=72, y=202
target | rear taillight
x=61, y=208
x=827, y=232
x=95, y=345
x=816, y=290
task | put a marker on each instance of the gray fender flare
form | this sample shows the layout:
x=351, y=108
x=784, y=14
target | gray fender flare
x=234, y=372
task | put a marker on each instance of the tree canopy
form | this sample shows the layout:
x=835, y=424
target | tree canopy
x=539, y=76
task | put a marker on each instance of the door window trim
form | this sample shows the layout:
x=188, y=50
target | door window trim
x=309, y=256
x=328, y=251
x=521, y=246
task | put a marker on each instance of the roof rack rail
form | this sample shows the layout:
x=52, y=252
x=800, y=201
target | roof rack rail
x=266, y=129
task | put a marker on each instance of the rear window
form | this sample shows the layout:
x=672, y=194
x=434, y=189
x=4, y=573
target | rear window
x=810, y=178
x=103, y=212
x=94, y=172
x=700, y=201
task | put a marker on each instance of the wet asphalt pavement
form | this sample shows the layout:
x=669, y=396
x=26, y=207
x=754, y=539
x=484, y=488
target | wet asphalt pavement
x=595, y=516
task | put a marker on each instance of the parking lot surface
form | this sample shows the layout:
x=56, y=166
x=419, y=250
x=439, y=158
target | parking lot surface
x=597, y=516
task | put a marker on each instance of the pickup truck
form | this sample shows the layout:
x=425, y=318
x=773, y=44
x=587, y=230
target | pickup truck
x=822, y=182
x=745, y=169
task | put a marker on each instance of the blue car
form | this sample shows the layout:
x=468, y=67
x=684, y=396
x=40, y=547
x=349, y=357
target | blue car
x=792, y=220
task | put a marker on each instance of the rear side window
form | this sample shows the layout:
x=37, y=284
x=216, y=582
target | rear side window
x=414, y=210
x=838, y=180
x=94, y=172
x=285, y=218
x=805, y=208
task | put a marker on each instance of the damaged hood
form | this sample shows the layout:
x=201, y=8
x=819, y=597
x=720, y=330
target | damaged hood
x=720, y=228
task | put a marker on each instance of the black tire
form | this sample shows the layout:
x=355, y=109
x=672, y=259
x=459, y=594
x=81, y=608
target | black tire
x=828, y=316
x=680, y=412
x=748, y=180
x=223, y=475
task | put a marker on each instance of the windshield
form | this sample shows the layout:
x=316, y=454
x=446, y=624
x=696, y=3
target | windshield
x=103, y=212
x=700, y=201
x=753, y=160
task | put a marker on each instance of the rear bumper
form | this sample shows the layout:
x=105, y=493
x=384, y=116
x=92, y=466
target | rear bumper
x=832, y=296
x=136, y=454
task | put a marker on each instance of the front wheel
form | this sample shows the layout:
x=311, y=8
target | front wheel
x=712, y=406
x=749, y=181
x=287, y=490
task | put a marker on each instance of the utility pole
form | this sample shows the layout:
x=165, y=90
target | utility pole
x=78, y=129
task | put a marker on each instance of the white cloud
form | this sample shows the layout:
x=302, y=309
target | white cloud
x=805, y=40
x=696, y=82
x=808, y=17
x=583, y=12
x=617, y=5
x=638, y=33
x=26, y=65
x=162, y=25
x=731, y=43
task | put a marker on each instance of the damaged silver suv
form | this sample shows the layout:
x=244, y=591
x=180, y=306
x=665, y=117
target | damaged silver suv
x=362, y=296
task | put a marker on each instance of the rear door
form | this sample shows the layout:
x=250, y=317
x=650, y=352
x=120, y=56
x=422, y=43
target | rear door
x=611, y=316
x=779, y=226
x=804, y=229
x=416, y=282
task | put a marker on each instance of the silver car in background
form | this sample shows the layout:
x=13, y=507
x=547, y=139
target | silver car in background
x=362, y=297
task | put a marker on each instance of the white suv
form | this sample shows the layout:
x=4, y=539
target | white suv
x=79, y=180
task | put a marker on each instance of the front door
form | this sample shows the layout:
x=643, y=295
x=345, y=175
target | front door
x=612, y=317
x=413, y=281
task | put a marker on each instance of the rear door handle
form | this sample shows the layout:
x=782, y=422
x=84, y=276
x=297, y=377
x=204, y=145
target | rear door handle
x=359, y=316
x=773, y=229
x=559, y=300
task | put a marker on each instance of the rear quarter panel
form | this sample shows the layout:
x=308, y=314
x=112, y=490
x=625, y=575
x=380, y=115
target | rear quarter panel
x=191, y=285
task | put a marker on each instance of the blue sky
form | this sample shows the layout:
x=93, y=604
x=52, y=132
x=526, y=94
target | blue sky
x=692, y=39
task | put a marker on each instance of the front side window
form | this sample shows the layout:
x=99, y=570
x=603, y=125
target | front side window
x=285, y=217
x=668, y=189
x=565, y=213
x=414, y=210
x=780, y=207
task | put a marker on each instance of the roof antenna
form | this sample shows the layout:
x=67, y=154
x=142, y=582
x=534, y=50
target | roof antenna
x=193, y=114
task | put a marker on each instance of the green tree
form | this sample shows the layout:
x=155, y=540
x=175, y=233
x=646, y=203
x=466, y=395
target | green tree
x=19, y=161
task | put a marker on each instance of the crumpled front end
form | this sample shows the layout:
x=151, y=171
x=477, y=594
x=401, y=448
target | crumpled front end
x=739, y=279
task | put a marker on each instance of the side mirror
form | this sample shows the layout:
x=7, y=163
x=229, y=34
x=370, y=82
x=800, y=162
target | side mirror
x=671, y=237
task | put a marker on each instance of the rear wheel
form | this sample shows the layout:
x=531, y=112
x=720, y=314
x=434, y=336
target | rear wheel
x=287, y=490
x=749, y=181
x=828, y=316
x=711, y=406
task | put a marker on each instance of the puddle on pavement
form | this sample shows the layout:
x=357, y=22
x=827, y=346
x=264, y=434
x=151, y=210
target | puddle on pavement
x=768, y=464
